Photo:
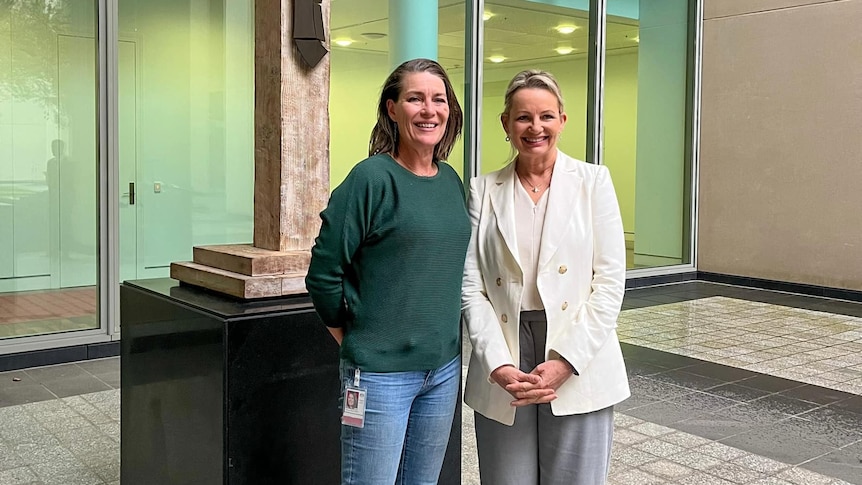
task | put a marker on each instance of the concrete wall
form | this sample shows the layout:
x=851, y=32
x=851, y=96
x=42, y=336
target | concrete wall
x=781, y=150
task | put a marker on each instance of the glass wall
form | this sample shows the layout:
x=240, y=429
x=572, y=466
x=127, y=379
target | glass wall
x=646, y=112
x=48, y=167
x=186, y=129
x=369, y=39
x=534, y=34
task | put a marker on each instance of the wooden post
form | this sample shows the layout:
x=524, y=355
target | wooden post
x=291, y=168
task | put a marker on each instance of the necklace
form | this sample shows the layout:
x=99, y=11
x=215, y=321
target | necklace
x=534, y=188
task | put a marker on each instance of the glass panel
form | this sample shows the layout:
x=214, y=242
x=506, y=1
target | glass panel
x=48, y=167
x=186, y=129
x=362, y=33
x=552, y=35
x=645, y=125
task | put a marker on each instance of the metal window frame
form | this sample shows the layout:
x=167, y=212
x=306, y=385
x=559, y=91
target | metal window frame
x=110, y=222
x=596, y=82
x=107, y=270
x=473, y=81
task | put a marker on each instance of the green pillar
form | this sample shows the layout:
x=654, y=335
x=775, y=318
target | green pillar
x=412, y=30
x=660, y=179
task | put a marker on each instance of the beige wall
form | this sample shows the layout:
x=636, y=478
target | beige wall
x=781, y=146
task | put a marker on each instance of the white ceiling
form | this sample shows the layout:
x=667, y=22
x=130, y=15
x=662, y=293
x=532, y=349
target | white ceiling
x=520, y=30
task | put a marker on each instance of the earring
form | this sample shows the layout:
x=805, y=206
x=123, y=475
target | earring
x=507, y=137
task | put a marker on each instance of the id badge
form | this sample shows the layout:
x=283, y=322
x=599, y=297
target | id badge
x=354, y=404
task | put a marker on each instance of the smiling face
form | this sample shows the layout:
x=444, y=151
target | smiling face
x=421, y=112
x=534, y=123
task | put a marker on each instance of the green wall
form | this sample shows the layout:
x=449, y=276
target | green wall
x=193, y=129
x=661, y=116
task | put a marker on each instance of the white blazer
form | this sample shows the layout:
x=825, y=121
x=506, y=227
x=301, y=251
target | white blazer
x=581, y=281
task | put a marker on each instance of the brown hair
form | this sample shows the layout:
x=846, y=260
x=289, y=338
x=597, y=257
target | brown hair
x=384, y=135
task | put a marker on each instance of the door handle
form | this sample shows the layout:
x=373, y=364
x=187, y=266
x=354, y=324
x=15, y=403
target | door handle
x=131, y=193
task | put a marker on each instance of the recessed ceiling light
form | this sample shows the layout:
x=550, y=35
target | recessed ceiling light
x=566, y=28
x=563, y=50
x=487, y=14
x=496, y=59
x=373, y=35
x=343, y=42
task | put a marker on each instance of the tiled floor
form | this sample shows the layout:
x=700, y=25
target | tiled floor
x=41, y=312
x=730, y=386
x=815, y=347
x=60, y=425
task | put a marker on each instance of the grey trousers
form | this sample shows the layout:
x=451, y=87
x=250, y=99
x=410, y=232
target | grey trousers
x=540, y=448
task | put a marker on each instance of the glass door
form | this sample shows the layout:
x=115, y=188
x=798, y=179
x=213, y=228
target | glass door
x=186, y=133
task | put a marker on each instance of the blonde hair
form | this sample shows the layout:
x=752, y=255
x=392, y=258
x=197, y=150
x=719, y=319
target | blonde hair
x=535, y=79
x=532, y=78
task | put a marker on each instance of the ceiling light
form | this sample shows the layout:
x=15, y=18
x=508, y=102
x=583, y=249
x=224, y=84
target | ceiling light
x=563, y=50
x=486, y=15
x=373, y=35
x=343, y=42
x=566, y=28
x=496, y=59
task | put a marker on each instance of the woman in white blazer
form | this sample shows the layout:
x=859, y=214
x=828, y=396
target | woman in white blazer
x=543, y=285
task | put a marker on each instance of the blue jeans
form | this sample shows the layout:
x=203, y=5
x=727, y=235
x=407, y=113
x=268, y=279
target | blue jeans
x=408, y=416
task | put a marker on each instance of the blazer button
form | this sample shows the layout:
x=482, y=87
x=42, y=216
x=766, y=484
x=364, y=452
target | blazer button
x=565, y=305
x=504, y=318
x=563, y=269
x=499, y=281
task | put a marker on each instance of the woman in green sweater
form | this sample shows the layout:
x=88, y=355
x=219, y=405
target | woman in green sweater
x=385, y=278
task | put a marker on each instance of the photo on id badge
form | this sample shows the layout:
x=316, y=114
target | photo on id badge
x=354, y=407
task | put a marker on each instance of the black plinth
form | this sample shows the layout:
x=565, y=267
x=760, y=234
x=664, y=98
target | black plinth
x=220, y=391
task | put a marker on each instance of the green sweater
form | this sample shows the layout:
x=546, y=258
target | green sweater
x=388, y=263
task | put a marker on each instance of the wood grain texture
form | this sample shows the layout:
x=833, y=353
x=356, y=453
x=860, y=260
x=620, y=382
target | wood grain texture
x=238, y=285
x=291, y=169
x=291, y=133
x=251, y=261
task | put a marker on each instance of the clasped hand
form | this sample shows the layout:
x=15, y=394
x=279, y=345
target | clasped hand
x=537, y=387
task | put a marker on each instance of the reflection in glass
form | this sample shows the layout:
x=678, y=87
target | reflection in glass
x=48, y=167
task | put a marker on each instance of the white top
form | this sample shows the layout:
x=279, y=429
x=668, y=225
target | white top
x=529, y=220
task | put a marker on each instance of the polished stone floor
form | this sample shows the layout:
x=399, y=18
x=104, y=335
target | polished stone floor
x=729, y=386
